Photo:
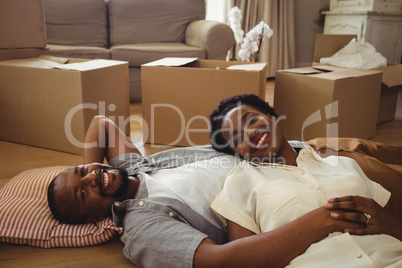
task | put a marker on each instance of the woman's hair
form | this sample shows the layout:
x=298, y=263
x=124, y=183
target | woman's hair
x=226, y=105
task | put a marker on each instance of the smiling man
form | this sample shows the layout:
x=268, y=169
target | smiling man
x=86, y=193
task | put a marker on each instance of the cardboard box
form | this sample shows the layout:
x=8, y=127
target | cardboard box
x=22, y=24
x=327, y=101
x=48, y=104
x=178, y=94
x=43, y=101
x=391, y=81
x=326, y=45
x=398, y=113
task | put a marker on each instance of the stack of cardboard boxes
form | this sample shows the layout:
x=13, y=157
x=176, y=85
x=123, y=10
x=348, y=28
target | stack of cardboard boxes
x=49, y=102
x=318, y=101
x=328, y=101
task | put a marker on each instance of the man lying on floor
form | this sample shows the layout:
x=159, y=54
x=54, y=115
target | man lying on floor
x=163, y=203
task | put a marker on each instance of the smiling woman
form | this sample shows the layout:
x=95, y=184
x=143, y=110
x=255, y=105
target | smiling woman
x=277, y=184
x=246, y=125
x=253, y=135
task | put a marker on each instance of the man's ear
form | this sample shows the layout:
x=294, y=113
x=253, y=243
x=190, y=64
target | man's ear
x=94, y=220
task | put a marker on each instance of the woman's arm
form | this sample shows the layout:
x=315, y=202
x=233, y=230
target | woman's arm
x=278, y=247
x=105, y=139
x=271, y=249
x=236, y=231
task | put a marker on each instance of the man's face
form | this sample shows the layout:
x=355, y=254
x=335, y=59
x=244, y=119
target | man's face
x=88, y=191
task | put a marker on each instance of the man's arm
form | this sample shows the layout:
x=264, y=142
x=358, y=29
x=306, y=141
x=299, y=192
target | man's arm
x=105, y=139
x=271, y=249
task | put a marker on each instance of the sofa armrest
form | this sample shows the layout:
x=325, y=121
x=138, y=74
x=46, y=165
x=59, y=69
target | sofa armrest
x=215, y=37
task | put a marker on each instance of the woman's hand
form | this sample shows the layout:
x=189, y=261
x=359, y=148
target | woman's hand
x=355, y=208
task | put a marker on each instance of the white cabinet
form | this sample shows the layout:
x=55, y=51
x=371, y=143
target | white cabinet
x=378, y=22
x=379, y=6
x=383, y=31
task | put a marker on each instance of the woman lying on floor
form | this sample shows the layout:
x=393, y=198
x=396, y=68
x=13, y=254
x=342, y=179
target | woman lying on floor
x=277, y=184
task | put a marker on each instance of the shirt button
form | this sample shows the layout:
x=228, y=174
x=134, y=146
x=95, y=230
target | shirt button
x=171, y=214
x=153, y=160
x=359, y=255
x=141, y=203
x=317, y=187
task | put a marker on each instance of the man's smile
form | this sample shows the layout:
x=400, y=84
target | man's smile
x=105, y=180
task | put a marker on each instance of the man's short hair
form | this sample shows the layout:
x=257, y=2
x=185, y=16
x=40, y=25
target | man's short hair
x=55, y=210
x=226, y=105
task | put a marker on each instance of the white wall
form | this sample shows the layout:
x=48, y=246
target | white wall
x=306, y=12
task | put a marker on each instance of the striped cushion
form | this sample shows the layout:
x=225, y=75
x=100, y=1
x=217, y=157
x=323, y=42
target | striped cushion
x=25, y=217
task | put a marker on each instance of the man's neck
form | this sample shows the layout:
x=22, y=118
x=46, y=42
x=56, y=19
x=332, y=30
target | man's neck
x=133, y=186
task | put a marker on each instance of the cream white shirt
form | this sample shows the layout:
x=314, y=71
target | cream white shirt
x=264, y=197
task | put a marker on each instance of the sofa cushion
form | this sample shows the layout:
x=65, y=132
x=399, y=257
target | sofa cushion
x=150, y=21
x=137, y=54
x=76, y=22
x=83, y=52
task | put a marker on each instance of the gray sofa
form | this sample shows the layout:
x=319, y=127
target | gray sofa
x=137, y=31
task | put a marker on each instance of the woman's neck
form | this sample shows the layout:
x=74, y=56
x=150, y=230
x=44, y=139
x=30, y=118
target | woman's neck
x=288, y=155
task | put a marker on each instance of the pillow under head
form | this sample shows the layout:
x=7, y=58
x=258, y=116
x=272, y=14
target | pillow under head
x=25, y=217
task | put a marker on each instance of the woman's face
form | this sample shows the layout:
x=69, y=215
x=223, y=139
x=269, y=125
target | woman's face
x=253, y=135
